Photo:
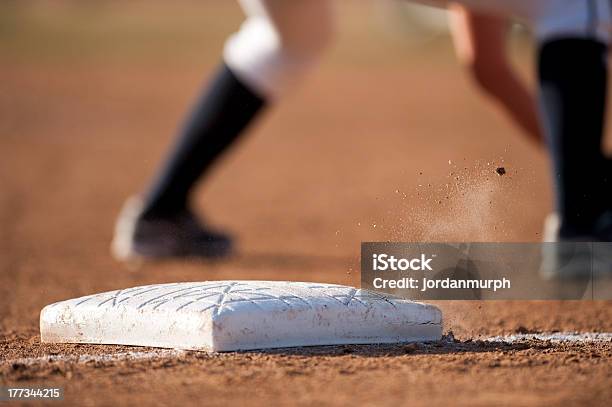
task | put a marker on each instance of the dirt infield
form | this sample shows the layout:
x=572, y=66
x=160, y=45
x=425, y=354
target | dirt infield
x=371, y=148
x=459, y=372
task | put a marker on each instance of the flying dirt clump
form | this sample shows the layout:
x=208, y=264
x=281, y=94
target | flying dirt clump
x=500, y=171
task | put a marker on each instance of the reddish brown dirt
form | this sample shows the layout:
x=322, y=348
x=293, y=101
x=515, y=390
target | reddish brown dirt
x=365, y=151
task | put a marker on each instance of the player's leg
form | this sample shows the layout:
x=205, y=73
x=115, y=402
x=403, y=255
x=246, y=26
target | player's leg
x=572, y=78
x=572, y=48
x=480, y=44
x=276, y=45
x=572, y=41
x=268, y=55
x=573, y=82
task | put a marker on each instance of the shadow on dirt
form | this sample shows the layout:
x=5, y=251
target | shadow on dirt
x=447, y=345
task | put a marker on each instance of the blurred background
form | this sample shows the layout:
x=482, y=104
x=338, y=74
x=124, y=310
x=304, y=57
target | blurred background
x=387, y=140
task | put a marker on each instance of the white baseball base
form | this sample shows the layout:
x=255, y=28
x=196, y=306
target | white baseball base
x=239, y=315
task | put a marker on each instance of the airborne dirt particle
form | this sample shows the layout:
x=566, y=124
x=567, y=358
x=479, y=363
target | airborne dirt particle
x=500, y=171
x=462, y=207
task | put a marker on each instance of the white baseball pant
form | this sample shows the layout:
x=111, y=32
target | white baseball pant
x=282, y=39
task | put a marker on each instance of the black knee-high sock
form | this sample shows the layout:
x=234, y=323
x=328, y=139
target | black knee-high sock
x=573, y=84
x=222, y=114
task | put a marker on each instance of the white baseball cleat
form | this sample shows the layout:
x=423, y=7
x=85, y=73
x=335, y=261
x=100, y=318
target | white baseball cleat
x=574, y=256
